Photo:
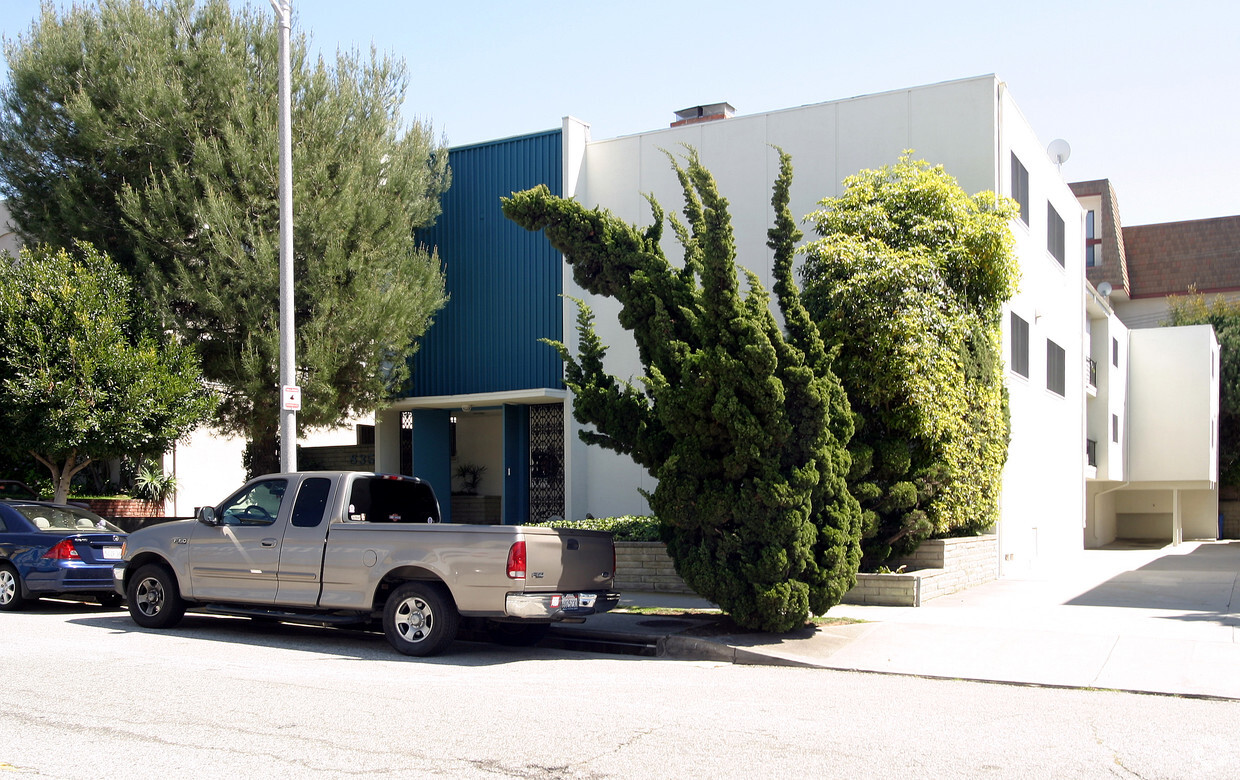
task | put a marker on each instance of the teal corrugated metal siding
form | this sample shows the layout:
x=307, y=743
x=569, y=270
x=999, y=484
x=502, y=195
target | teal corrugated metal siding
x=504, y=281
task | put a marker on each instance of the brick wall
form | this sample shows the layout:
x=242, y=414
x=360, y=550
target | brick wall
x=124, y=507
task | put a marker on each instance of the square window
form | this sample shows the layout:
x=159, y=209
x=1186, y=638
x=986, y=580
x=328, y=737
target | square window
x=1055, y=367
x=1055, y=234
x=1020, y=188
x=1020, y=346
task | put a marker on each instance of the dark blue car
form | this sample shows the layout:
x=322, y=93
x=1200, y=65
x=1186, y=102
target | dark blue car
x=56, y=550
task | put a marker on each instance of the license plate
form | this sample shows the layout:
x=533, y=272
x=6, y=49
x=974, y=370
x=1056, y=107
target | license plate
x=111, y=553
x=569, y=601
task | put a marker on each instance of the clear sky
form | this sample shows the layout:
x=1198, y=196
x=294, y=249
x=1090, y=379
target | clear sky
x=1145, y=92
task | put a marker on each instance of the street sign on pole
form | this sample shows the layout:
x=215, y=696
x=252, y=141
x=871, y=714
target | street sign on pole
x=288, y=362
x=290, y=398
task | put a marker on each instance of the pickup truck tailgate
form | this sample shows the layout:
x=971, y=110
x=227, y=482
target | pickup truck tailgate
x=564, y=560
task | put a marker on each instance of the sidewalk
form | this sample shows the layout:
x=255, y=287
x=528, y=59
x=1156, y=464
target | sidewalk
x=1127, y=618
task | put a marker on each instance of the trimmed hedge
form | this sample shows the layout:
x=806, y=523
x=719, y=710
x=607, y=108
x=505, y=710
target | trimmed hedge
x=629, y=528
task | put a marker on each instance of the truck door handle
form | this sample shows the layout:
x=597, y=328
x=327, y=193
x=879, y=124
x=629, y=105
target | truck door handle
x=269, y=543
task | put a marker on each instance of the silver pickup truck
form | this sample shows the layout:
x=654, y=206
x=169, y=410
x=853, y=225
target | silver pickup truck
x=349, y=548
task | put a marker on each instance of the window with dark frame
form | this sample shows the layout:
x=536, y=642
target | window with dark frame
x=1020, y=188
x=1055, y=367
x=1020, y=346
x=1093, y=244
x=1055, y=234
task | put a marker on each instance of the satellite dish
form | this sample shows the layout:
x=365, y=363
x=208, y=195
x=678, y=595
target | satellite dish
x=1104, y=289
x=1059, y=151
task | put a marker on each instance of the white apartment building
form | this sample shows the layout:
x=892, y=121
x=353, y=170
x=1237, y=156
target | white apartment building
x=1153, y=412
x=974, y=129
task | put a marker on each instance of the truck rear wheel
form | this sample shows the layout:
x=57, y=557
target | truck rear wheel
x=420, y=619
x=154, y=600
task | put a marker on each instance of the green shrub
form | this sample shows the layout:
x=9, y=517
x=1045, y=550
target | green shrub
x=738, y=415
x=629, y=528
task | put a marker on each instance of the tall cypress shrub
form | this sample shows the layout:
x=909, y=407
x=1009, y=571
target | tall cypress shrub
x=744, y=427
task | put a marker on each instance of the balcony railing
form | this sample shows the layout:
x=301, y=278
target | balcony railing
x=1091, y=453
x=1091, y=372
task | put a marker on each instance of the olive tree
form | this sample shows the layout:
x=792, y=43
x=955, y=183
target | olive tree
x=82, y=377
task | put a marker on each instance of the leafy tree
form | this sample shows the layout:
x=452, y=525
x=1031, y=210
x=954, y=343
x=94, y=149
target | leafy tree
x=150, y=130
x=907, y=282
x=744, y=428
x=81, y=378
x=1224, y=315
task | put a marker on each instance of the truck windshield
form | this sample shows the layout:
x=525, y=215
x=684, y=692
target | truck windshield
x=384, y=500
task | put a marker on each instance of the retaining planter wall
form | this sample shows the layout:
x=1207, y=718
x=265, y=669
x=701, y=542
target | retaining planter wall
x=939, y=567
x=646, y=566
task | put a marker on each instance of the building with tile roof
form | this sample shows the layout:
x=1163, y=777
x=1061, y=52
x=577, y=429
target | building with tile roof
x=1144, y=264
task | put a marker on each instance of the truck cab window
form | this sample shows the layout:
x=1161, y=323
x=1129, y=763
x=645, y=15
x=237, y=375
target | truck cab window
x=259, y=504
x=311, y=502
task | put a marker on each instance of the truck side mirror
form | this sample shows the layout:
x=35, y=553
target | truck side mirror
x=206, y=516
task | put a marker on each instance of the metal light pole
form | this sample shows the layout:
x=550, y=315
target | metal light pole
x=290, y=394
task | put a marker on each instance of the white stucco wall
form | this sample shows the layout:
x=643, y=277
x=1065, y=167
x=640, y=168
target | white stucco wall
x=9, y=241
x=1043, y=483
x=1107, y=336
x=969, y=126
x=946, y=123
x=208, y=464
x=1173, y=398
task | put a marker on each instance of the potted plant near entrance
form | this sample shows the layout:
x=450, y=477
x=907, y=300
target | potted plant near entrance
x=467, y=505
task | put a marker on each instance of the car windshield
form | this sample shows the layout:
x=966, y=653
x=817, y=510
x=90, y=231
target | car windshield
x=65, y=518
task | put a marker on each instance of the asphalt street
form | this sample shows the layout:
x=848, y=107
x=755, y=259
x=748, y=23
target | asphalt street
x=88, y=694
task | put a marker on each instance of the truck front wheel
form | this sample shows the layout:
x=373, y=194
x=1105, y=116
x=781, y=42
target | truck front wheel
x=419, y=619
x=154, y=601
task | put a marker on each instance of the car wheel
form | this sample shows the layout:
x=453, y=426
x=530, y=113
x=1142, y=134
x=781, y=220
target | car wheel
x=517, y=634
x=420, y=619
x=154, y=601
x=11, y=598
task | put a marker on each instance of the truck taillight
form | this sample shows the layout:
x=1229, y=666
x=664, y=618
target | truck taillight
x=516, y=561
x=62, y=551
